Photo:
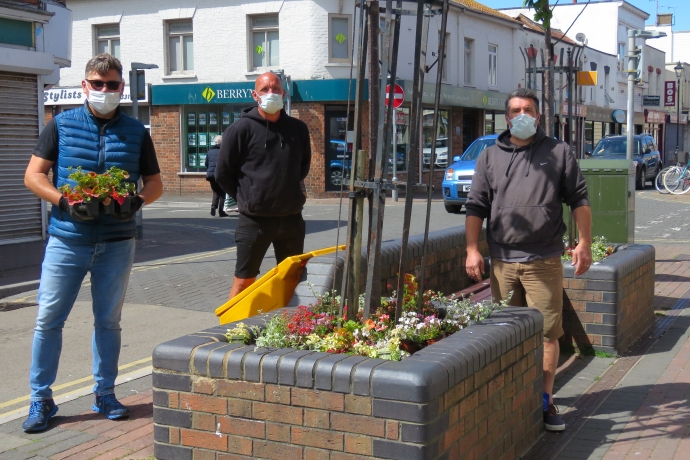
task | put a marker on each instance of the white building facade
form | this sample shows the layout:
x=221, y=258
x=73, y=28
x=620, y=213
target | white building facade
x=605, y=26
x=34, y=45
x=209, y=55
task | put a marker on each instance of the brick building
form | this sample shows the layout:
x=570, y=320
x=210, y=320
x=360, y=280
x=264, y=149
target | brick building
x=209, y=55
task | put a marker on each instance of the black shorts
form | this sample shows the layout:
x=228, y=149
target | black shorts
x=254, y=235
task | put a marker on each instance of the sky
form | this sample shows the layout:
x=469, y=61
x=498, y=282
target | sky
x=679, y=8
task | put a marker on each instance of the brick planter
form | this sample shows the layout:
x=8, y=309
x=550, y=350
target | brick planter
x=612, y=305
x=475, y=393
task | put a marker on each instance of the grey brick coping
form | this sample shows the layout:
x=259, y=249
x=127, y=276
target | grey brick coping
x=420, y=378
x=626, y=259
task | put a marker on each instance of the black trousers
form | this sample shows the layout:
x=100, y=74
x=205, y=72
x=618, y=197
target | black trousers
x=218, y=194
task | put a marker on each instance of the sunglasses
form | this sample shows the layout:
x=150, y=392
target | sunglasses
x=99, y=84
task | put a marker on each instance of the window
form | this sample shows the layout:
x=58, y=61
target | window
x=265, y=51
x=493, y=64
x=180, y=48
x=621, y=54
x=444, y=70
x=339, y=44
x=469, y=68
x=108, y=39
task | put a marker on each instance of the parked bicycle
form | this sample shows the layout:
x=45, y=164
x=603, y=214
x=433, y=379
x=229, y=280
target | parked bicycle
x=677, y=180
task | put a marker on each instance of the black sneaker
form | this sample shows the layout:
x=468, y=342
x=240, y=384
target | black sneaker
x=222, y=213
x=213, y=211
x=553, y=421
x=110, y=407
x=40, y=413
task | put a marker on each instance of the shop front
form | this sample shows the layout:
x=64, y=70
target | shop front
x=186, y=117
x=675, y=132
x=654, y=125
x=599, y=123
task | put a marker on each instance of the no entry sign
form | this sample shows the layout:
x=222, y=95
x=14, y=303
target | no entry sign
x=398, y=95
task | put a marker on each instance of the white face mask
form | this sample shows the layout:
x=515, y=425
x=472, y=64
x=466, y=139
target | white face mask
x=103, y=102
x=523, y=126
x=271, y=103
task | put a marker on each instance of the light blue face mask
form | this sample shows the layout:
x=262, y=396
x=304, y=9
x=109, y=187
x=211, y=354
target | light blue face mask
x=271, y=102
x=523, y=126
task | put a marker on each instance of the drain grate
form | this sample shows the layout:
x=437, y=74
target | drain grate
x=9, y=306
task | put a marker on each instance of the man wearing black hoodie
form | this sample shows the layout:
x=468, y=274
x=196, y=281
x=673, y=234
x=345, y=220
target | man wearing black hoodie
x=263, y=159
x=519, y=186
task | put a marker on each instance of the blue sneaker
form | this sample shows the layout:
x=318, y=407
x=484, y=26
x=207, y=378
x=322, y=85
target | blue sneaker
x=110, y=407
x=40, y=413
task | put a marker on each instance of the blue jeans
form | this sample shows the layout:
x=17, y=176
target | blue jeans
x=64, y=267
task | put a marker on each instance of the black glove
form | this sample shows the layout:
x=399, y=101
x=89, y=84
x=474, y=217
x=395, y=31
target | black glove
x=122, y=213
x=76, y=211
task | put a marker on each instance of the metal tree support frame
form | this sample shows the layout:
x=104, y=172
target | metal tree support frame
x=379, y=145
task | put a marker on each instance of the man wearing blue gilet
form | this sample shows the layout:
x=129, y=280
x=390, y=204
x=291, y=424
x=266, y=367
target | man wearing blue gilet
x=95, y=137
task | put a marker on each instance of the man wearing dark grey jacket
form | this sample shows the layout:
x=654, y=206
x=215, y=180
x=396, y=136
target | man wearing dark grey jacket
x=519, y=186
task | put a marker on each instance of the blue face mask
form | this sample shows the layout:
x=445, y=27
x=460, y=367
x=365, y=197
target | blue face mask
x=523, y=126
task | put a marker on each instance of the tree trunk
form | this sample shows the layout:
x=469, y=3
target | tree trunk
x=548, y=84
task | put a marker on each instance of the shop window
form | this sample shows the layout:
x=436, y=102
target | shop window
x=108, y=39
x=468, y=61
x=201, y=124
x=265, y=50
x=493, y=66
x=441, y=139
x=339, y=32
x=180, y=46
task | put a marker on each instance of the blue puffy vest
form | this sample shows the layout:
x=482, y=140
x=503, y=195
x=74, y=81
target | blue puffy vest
x=82, y=141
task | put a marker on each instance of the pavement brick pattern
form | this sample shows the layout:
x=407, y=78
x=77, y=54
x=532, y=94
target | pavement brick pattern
x=89, y=435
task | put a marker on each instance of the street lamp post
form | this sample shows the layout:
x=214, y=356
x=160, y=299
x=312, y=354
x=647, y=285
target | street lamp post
x=679, y=73
x=134, y=97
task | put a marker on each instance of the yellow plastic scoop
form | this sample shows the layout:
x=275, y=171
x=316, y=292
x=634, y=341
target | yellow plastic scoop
x=271, y=291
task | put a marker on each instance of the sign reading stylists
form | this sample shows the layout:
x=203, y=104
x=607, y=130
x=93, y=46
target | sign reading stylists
x=75, y=96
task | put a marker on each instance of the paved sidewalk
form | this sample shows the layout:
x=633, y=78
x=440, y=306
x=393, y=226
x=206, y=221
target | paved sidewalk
x=633, y=407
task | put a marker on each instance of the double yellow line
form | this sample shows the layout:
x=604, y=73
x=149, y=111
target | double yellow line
x=135, y=374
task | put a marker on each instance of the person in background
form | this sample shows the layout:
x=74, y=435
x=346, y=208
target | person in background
x=96, y=137
x=218, y=193
x=264, y=157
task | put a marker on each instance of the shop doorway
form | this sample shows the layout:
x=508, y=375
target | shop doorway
x=338, y=148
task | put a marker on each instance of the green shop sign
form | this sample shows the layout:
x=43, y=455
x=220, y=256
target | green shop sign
x=241, y=92
x=459, y=97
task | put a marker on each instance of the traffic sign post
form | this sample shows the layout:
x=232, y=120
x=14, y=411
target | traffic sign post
x=398, y=98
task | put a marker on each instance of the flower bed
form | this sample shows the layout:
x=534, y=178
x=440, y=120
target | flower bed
x=320, y=328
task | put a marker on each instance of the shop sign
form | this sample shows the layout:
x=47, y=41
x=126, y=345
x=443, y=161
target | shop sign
x=578, y=110
x=241, y=92
x=460, y=97
x=655, y=117
x=669, y=93
x=75, y=96
x=651, y=100
x=674, y=119
x=595, y=113
x=618, y=116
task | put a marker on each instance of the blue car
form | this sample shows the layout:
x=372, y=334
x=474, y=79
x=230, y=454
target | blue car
x=458, y=178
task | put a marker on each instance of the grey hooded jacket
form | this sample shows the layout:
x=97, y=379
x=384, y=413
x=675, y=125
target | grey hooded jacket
x=521, y=191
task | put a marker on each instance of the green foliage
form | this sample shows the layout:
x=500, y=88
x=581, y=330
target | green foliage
x=600, y=249
x=91, y=185
x=542, y=11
